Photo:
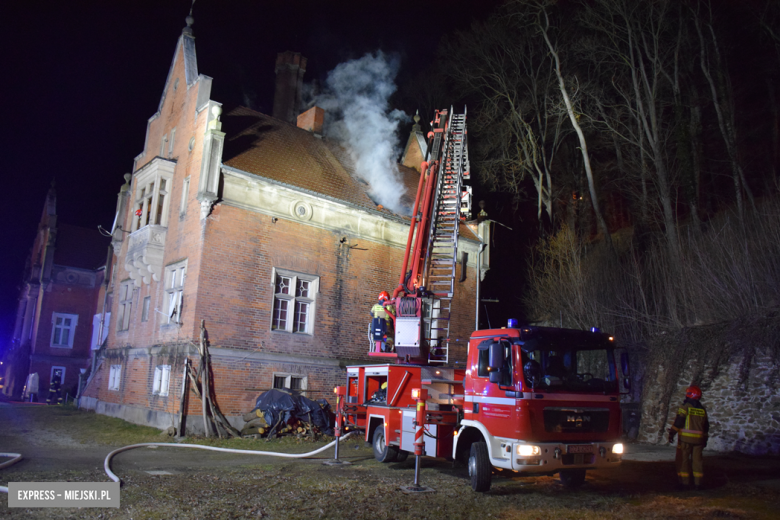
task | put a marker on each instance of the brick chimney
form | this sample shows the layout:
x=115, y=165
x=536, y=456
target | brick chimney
x=290, y=68
x=312, y=120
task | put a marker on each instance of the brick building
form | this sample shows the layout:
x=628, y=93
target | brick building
x=55, y=328
x=259, y=226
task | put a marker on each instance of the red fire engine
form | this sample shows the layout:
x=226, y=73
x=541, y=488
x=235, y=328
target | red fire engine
x=533, y=400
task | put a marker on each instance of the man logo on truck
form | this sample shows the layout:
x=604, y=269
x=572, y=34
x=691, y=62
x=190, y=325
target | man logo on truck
x=578, y=419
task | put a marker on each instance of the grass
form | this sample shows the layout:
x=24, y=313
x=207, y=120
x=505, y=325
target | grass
x=266, y=487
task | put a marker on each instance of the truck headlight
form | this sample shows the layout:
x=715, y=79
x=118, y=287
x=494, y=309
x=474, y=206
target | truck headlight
x=526, y=450
x=617, y=448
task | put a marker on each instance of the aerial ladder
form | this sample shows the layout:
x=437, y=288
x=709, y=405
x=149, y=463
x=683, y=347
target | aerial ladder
x=424, y=296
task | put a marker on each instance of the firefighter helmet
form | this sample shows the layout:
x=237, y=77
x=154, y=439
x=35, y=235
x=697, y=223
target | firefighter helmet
x=693, y=392
x=384, y=296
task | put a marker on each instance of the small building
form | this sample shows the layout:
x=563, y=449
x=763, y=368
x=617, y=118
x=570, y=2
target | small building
x=258, y=227
x=55, y=329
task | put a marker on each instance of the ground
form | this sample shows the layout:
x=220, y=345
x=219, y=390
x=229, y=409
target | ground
x=65, y=444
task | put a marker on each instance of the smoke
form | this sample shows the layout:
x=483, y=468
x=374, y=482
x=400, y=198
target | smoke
x=356, y=99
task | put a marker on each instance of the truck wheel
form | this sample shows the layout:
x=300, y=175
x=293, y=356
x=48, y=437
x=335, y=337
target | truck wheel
x=572, y=478
x=383, y=452
x=480, y=469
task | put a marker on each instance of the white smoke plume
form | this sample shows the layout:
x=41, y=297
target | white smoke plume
x=356, y=100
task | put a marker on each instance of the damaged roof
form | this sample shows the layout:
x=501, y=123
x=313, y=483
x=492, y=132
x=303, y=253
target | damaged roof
x=262, y=145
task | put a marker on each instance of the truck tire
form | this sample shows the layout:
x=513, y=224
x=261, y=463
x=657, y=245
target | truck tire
x=572, y=478
x=383, y=452
x=480, y=469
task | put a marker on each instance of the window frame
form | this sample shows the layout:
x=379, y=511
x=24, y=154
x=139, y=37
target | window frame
x=174, y=294
x=125, y=305
x=114, y=377
x=70, y=328
x=162, y=380
x=62, y=377
x=145, y=307
x=288, y=377
x=293, y=302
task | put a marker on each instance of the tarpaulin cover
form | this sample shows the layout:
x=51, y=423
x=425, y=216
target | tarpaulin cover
x=285, y=405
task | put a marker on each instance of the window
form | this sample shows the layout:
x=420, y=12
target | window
x=294, y=296
x=145, y=309
x=63, y=329
x=170, y=145
x=185, y=189
x=125, y=305
x=114, y=377
x=152, y=194
x=175, y=276
x=96, y=319
x=162, y=145
x=162, y=376
x=289, y=381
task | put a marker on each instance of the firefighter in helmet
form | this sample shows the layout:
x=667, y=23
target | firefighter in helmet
x=383, y=316
x=55, y=388
x=693, y=426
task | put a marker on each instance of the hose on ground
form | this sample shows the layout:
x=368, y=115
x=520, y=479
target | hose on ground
x=15, y=457
x=112, y=476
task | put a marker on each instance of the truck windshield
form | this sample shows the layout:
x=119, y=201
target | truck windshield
x=570, y=370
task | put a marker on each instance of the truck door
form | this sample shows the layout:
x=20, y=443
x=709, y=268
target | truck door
x=494, y=378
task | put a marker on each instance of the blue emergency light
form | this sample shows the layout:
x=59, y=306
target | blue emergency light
x=511, y=324
x=595, y=329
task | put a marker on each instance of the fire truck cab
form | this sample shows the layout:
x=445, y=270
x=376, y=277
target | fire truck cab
x=541, y=401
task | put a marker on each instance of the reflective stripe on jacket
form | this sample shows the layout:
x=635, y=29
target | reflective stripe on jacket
x=691, y=422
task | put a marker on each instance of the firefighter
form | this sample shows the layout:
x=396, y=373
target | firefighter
x=55, y=390
x=692, y=425
x=382, y=322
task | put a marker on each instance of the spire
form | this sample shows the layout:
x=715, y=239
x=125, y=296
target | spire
x=190, y=20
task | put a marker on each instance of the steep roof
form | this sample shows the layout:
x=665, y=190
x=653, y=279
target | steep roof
x=262, y=145
x=80, y=247
x=268, y=147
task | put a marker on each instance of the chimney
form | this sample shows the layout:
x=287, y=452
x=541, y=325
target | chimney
x=290, y=68
x=312, y=120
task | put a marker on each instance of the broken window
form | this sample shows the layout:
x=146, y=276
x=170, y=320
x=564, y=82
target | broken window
x=294, y=298
x=174, y=289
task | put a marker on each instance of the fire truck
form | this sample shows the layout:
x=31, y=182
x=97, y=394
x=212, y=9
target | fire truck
x=532, y=400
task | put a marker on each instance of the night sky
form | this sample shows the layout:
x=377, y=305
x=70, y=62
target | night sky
x=81, y=78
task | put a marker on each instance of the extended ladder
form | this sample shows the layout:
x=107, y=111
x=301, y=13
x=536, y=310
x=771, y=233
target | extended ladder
x=441, y=257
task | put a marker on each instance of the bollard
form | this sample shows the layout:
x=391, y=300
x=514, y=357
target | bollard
x=419, y=395
x=341, y=392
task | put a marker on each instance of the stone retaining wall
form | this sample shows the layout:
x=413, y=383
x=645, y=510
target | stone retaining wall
x=744, y=414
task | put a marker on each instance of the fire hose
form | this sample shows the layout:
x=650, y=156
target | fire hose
x=15, y=457
x=112, y=476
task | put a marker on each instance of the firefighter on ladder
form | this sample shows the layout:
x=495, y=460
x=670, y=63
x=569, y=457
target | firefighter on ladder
x=382, y=315
x=693, y=426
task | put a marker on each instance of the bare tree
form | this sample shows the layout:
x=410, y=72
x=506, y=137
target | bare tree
x=508, y=71
x=722, y=99
x=634, y=50
x=543, y=24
